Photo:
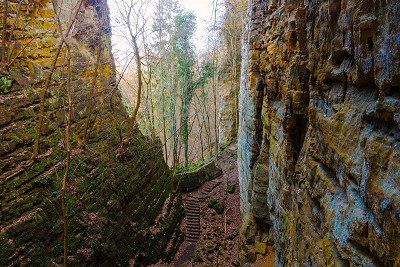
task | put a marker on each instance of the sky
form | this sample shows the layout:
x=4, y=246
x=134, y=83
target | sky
x=203, y=10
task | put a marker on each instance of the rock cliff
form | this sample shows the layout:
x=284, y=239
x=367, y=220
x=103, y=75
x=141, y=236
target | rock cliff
x=319, y=130
x=122, y=207
x=229, y=69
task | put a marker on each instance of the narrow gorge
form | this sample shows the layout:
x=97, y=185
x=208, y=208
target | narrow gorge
x=128, y=140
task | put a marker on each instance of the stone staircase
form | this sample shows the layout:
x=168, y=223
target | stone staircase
x=208, y=188
x=192, y=208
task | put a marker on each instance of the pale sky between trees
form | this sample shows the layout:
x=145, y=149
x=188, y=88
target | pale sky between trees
x=203, y=10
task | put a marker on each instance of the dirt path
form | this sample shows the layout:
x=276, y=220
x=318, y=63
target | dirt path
x=216, y=242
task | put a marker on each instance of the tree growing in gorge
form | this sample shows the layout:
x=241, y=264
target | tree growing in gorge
x=166, y=74
x=184, y=26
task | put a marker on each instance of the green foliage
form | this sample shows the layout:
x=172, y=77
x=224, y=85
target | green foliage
x=5, y=84
x=207, y=71
x=286, y=222
x=194, y=257
x=212, y=248
x=44, y=180
x=185, y=25
x=231, y=188
x=216, y=205
x=188, y=168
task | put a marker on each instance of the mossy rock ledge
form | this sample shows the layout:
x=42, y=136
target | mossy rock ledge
x=190, y=180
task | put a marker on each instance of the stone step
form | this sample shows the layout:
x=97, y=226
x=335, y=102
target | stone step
x=209, y=187
x=193, y=231
x=191, y=204
x=192, y=207
x=193, y=211
x=192, y=219
x=193, y=215
x=193, y=236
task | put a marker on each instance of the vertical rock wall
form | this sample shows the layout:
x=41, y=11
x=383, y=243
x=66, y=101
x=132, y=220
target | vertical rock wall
x=227, y=111
x=229, y=69
x=319, y=131
x=122, y=203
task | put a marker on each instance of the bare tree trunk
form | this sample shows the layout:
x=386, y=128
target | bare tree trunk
x=138, y=66
x=215, y=83
x=140, y=83
x=201, y=136
x=67, y=164
x=151, y=112
x=175, y=135
x=185, y=132
x=164, y=125
x=206, y=120
x=215, y=116
x=4, y=41
x=11, y=49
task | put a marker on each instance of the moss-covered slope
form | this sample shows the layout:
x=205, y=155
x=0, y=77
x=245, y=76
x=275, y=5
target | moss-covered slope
x=123, y=205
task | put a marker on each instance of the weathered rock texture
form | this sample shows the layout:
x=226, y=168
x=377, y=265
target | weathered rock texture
x=229, y=70
x=319, y=129
x=122, y=203
x=190, y=180
x=227, y=112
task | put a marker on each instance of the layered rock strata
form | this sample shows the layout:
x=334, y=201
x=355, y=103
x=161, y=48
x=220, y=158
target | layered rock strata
x=319, y=131
x=123, y=205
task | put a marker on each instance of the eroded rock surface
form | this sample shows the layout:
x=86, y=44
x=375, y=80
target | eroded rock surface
x=318, y=141
x=123, y=204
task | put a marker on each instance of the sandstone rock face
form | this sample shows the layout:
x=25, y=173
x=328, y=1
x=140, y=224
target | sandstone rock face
x=229, y=70
x=190, y=180
x=121, y=206
x=319, y=130
x=227, y=112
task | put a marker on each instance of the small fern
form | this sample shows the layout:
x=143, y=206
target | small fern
x=5, y=84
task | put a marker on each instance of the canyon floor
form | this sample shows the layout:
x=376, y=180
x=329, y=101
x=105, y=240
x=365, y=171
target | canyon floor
x=218, y=242
x=214, y=235
x=212, y=220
